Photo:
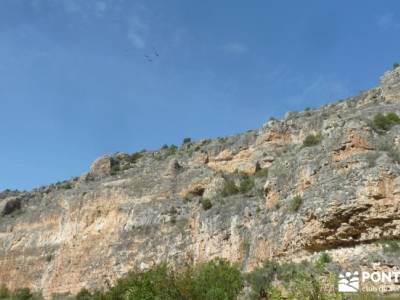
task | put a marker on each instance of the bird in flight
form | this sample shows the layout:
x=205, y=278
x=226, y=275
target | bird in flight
x=152, y=56
x=148, y=58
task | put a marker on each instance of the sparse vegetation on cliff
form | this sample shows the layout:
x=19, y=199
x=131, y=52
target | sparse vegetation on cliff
x=385, y=122
x=206, y=203
x=246, y=184
x=134, y=157
x=295, y=203
x=229, y=188
x=262, y=173
x=312, y=140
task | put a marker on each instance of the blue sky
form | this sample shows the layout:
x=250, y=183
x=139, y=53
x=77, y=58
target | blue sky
x=75, y=82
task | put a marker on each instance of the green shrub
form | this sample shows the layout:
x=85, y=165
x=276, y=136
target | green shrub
x=229, y=188
x=295, y=204
x=84, y=294
x=187, y=140
x=371, y=158
x=4, y=292
x=300, y=281
x=260, y=279
x=393, y=117
x=206, y=203
x=312, y=140
x=390, y=246
x=66, y=186
x=134, y=157
x=171, y=150
x=390, y=149
x=262, y=173
x=246, y=184
x=115, y=168
x=156, y=283
x=22, y=294
x=396, y=65
x=382, y=122
x=216, y=280
x=322, y=260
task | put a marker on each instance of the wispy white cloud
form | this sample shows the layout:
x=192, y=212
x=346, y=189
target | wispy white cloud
x=235, y=48
x=388, y=21
x=137, y=32
x=82, y=8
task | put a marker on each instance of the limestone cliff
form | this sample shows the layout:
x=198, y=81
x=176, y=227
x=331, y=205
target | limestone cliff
x=144, y=208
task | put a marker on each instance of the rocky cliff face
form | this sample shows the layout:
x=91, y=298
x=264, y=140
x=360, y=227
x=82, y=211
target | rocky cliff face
x=340, y=196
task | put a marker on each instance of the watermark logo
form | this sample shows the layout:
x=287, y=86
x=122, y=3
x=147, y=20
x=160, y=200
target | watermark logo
x=349, y=282
x=353, y=282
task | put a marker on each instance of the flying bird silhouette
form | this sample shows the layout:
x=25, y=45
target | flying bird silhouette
x=150, y=57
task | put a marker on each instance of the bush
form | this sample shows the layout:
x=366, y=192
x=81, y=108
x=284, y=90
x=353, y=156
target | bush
x=206, y=203
x=156, y=283
x=134, y=157
x=260, y=279
x=22, y=294
x=390, y=149
x=246, y=184
x=300, y=281
x=84, y=294
x=171, y=150
x=262, y=173
x=229, y=188
x=371, y=159
x=322, y=260
x=4, y=292
x=382, y=122
x=115, y=169
x=390, y=246
x=216, y=280
x=312, y=140
x=396, y=65
x=66, y=186
x=187, y=140
x=295, y=204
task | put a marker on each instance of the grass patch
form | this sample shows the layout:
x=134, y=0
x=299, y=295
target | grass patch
x=295, y=203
